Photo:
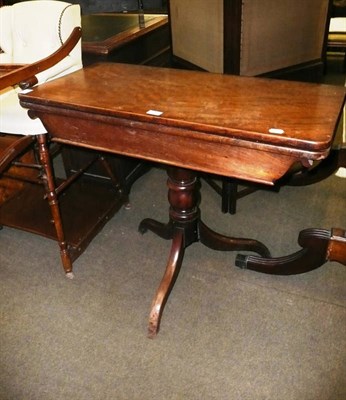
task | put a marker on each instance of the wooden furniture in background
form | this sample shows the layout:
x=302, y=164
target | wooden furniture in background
x=84, y=208
x=124, y=38
x=154, y=114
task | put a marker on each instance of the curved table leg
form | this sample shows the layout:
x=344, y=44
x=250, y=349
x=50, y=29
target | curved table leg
x=172, y=270
x=165, y=231
x=337, y=246
x=318, y=246
x=184, y=228
x=216, y=241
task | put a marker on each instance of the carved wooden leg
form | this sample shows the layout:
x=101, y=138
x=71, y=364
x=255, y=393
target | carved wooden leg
x=337, y=246
x=184, y=228
x=172, y=270
x=229, y=195
x=165, y=231
x=49, y=183
x=181, y=228
x=318, y=246
x=216, y=241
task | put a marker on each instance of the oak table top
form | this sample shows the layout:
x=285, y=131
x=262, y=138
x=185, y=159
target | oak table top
x=244, y=127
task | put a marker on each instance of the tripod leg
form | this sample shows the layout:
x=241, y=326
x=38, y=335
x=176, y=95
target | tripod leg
x=172, y=270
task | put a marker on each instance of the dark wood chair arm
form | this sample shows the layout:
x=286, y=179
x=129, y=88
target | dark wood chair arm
x=28, y=72
x=28, y=83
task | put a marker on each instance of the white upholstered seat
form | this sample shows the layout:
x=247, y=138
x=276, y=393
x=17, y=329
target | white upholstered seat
x=30, y=31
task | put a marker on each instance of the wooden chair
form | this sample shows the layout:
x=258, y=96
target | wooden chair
x=27, y=182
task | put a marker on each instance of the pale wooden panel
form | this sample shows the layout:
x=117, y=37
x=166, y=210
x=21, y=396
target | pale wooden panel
x=280, y=34
x=197, y=32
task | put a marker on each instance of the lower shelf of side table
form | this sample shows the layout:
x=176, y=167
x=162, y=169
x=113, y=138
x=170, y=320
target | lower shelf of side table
x=85, y=209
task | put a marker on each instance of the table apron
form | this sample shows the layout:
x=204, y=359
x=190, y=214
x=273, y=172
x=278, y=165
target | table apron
x=216, y=154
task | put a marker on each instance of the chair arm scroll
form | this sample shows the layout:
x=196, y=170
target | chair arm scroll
x=28, y=83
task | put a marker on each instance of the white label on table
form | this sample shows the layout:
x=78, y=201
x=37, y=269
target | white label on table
x=155, y=113
x=276, y=131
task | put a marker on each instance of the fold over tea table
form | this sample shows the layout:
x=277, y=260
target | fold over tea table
x=253, y=129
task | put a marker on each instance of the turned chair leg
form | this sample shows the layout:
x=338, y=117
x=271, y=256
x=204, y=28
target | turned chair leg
x=49, y=182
